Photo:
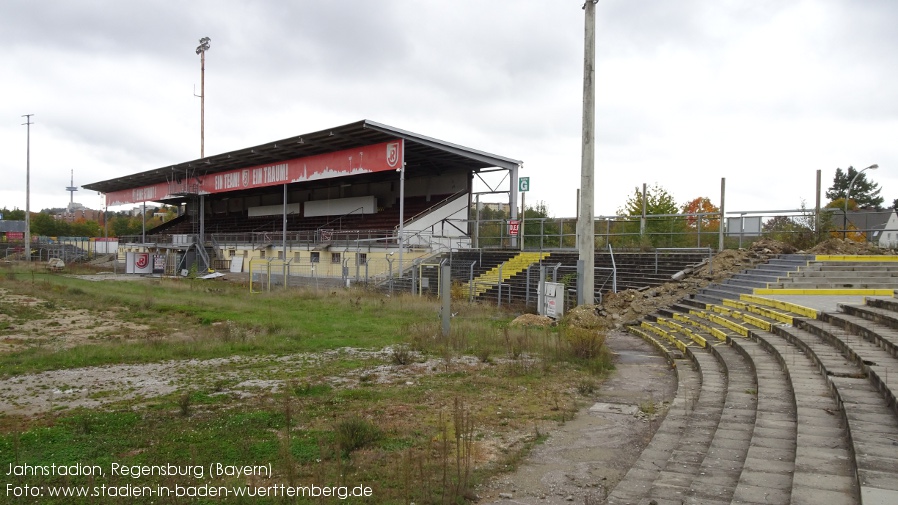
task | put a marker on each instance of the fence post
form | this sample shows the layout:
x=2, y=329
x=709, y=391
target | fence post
x=471, y=282
x=446, y=294
x=527, y=288
x=499, y=295
x=390, y=263
x=580, y=266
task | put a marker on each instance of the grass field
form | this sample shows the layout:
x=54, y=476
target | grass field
x=327, y=388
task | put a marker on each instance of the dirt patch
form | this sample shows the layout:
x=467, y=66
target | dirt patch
x=110, y=276
x=27, y=321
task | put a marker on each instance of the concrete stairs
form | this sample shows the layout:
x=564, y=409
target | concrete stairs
x=504, y=271
x=793, y=405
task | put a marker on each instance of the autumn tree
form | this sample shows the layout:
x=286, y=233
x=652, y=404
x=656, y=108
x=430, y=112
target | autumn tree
x=702, y=215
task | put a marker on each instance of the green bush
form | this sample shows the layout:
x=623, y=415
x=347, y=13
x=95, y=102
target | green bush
x=355, y=433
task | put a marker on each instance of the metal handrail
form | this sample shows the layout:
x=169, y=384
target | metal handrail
x=681, y=249
x=340, y=217
x=614, y=270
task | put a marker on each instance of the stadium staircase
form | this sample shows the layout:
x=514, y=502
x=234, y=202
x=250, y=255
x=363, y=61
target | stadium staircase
x=634, y=270
x=504, y=271
x=777, y=402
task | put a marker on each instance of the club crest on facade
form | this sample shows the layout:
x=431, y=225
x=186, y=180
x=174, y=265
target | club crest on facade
x=393, y=154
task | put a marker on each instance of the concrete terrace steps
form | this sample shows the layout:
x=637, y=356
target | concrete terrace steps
x=635, y=485
x=671, y=465
x=505, y=270
x=880, y=366
x=870, y=423
x=722, y=467
x=806, y=272
x=746, y=281
x=866, y=403
x=715, y=480
x=826, y=424
x=877, y=325
x=713, y=433
x=822, y=473
x=774, y=433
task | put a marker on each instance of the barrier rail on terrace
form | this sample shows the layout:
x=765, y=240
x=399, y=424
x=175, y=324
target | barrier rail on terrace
x=266, y=274
x=693, y=237
x=799, y=226
x=68, y=249
x=270, y=238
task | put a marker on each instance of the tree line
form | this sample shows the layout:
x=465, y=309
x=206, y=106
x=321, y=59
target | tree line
x=695, y=223
x=117, y=224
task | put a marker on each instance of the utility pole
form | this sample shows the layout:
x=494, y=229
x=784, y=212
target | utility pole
x=28, y=124
x=720, y=228
x=201, y=50
x=817, y=209
x=585, y=225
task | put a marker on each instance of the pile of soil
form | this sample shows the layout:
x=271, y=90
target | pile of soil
x=588, y=317
x=618, y=309
x=839, y=246
x=532, y=320
x=770, y=246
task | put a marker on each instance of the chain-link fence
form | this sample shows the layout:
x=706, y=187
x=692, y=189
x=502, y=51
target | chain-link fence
x=801, y=228
x=68, y=249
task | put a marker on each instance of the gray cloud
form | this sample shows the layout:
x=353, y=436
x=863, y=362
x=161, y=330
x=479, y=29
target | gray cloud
x=709, y=89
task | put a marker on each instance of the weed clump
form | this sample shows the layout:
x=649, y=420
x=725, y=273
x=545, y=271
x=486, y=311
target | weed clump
x=356, y=433
x=584, y=343
x=184, y=402
x=582, y=335
x=401, y=355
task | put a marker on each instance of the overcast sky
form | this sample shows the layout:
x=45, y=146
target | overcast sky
x=761, y=92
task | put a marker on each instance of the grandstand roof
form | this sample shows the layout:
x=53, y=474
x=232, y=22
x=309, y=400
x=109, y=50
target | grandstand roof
x=420, y=151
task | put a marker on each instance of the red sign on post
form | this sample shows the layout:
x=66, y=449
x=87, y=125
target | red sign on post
x=513, y=227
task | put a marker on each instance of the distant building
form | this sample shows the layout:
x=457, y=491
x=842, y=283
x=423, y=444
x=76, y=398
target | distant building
x=496, y=207
x=75, y=211
x=12, y=230
x=887, y=236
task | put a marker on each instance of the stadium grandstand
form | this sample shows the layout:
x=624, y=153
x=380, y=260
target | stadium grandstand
x=331, y=198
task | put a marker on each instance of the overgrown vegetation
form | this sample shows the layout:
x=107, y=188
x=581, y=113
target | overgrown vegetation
x=383, y=400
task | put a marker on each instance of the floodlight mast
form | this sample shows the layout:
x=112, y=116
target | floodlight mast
x=201, y=50
x=28, y=124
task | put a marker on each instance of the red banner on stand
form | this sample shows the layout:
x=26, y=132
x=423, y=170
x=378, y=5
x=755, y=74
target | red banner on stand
x=348, y=162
